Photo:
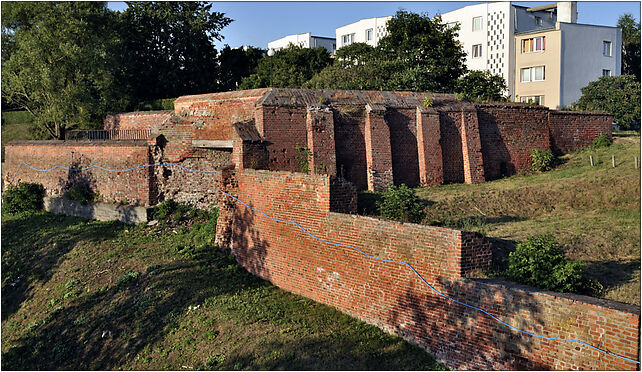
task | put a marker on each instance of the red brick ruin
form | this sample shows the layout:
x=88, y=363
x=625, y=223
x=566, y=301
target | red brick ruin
x=263, y=141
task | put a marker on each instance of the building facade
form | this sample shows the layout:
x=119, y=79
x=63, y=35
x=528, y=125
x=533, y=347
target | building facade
x=305, y=40
x=552, y=66
x=368, y=31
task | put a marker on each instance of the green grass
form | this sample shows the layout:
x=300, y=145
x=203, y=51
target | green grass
x=15, y=126
x=94, y=295
x=593, y=211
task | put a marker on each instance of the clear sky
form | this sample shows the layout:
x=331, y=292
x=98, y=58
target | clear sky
x=257, y=23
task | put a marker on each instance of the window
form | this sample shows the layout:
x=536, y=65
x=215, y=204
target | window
x=606, y=48
x=606, y=73
x=537, y=100
x=477, y=50
x=535, y=44
x=451, y=24
x=532, y=74
x=347, y=39
x=477, y=23
x=538, y=21
x=369, y=34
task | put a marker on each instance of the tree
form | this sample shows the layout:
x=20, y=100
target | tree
x=168, y=48
x=56, y=63
x=288, y=68
x=236, y=64
x=419, y=53
x=630, y=45
x=618, y=95
x=481, y=86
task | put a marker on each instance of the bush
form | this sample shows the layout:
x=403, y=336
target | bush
x=401, y=204
x=81, y=192
x=602, y=140
x=480, y=86
x=164, y=209
x=540, y=262
x=26, y=197
x=543, y=160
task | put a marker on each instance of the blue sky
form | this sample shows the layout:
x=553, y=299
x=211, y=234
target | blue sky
x=257, y=23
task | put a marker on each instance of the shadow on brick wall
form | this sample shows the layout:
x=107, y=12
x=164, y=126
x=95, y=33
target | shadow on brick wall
x=464, y=337
x=249, y=248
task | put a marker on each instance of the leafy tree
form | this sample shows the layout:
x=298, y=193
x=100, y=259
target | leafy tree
x=289, y=68
x=618, y=95
x=419, y=53
x=630, y=45
x=56, y=63
x=402, y=204
x=481, y=86
x=168, y=48
x=235, y=64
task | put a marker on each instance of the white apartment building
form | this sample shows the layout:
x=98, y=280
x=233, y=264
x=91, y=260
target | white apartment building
x=369, y=31
x=487, y=32
x=305, y=40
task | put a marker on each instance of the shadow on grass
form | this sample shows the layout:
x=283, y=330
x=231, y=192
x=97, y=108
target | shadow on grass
x=105, y=329
x=35, y=245
x=613, y=273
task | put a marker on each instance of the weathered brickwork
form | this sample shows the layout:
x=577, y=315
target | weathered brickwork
x=320, y=133
x=285, y=129
x=135, y=120
x=429, y=150
x=193, y=188
x=389, y=295
x=451, y=146
x=571, y=131
x=214, y=114
x=404, y=145
x=134, y=187
x=378, y=150
x=508, y=134
x=350, y=145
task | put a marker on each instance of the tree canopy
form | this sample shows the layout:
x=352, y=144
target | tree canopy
x=481, y=86
x=418, y=53
x=618, y=95
x=630, y=45
x=288, y=68
x=56, y=62
x=168, y=48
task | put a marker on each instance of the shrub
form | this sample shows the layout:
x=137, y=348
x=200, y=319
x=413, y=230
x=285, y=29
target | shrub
x=540, y=262
x=26, y=197
x=401, y=204
x=164, y=209
x=127, y=279
x=543, y=160
x=602, y=140
x=81, y=192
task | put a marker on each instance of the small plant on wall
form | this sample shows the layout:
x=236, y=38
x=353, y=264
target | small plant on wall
x=302, y=158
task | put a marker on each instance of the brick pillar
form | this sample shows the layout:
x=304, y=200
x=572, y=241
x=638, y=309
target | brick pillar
x=320, y=127
x=225, y=180
x=431, y=170
x=378, y=150
x=471, y=148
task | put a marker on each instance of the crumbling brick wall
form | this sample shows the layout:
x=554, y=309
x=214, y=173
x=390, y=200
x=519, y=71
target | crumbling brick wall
x=388, y=294
x=135, y=186
x=571, y=130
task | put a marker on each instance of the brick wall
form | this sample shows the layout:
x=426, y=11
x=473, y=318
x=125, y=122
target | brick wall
x=571, y=131
x=390, y=296
x=214, y=114
x=508, y=134
x=403, y=143
x=134, y=186
x=451, y=146
x=350, y=145
x=135, y=120
x=284, y=128
x=193, y=188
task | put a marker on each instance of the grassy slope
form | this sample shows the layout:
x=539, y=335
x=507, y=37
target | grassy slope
x=63, y=307
x=593, y=211
x=15, y=126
